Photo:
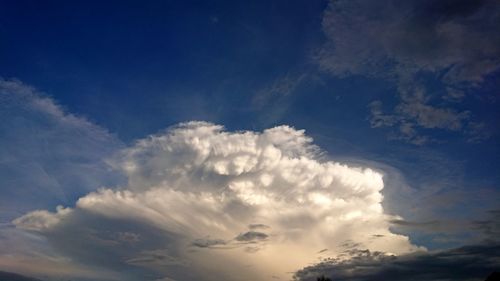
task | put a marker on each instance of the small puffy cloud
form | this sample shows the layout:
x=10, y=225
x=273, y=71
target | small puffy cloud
x=206, y=243
x=251, y=236
x=40, y=220
x=205, y=203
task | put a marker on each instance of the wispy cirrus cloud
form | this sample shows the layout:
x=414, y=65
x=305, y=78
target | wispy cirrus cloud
x=48, y=156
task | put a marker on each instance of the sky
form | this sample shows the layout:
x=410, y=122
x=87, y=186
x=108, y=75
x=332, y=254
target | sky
x=250, y=140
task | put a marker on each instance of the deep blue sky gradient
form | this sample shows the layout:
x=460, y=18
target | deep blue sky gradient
x=135, y=68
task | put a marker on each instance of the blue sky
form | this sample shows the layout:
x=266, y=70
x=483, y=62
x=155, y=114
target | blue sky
x=409, y=90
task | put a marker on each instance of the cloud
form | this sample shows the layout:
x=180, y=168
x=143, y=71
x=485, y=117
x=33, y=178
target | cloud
x=412, y=113
x=15, y=277
x=473, y=262
x=278, y=89
x=251, y=236
x=40, y=220
x=48, y=156
x=258, y=226
x=451, y=44
x=205, y=203
x=207, y=243
x=413, y=224
x=31, y=254
x=457, y=37
x=490, y=227
x=274, y=100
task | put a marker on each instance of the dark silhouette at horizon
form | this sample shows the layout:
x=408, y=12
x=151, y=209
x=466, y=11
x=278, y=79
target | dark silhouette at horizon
x=495, y=276
x=10, y=276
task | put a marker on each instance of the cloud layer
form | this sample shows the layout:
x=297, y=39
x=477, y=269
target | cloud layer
x=474, y=262
x=209, y=204
x=435, y=52
x=48, y=156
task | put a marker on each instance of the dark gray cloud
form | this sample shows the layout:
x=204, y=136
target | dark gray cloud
x=208, y=243
x=485, y=227
x=251, y=236
x=111, y=244
x=15, y=277
x=454, y=44
x=457, y=37
x=401, y=222
x=258, y=226
x=474, y=262
x=490, y=226
x=349, y=245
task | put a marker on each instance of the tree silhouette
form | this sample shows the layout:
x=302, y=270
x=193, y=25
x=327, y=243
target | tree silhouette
x=323, y=278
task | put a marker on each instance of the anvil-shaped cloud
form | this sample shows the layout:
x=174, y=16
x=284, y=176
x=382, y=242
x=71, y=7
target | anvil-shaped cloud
x=209, y=204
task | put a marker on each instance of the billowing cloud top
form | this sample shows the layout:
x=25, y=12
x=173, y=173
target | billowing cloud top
x=216, y=205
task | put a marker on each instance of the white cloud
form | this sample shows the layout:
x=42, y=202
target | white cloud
x=41, y=220
x=220, y=205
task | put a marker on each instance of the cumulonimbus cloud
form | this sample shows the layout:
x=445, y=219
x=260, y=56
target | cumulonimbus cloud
x=216, y=205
